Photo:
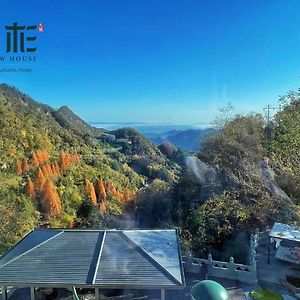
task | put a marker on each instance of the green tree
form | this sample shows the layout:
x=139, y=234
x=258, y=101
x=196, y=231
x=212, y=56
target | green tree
x=286, y=144
x=216, y=221
x=153, y=206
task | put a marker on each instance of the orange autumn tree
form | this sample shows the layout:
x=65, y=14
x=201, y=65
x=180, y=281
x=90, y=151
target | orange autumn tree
x=25, y=165
x=119, y=195
x=113, y=190
x=91, y=191
x=128, y=196
x=18, y=168
x=67, y=158
x=50, y=199
x=45, y=155
x=39, y=156
x=35, y=161
x=100, y=190
x=75, y=157
x=49, y=169
x=42, y=156
x=102, y=207
x=55, y=169
x=109, y=186
x=30, y=192
x=39, y=180
x=64, y=160
x=46, y=169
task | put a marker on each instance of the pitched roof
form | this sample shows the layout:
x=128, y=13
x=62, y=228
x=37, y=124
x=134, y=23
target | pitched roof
x=285, y=232
x=95, y=258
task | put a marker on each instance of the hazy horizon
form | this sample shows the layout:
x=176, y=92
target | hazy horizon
x=149, y=129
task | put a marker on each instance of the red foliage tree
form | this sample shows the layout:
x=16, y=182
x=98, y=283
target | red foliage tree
x=50, y=199
x=100, y=190
x=39, y=180
x=102, y=207
x=50, y=173
x=45, y=155
x=91, y=191
x=54, y=170
x=63, y=160
x=75, y=157
x=109, y=186
x=118, y=195
x=45, y=171
x=67, y=158
x=25, y=165
x=35, y=161
x=57, y=168
x=30, y=191
x=128, y=196
x=18, y=168
x=39, y=156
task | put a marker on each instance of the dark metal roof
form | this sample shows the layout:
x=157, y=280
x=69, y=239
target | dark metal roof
x=94, y=258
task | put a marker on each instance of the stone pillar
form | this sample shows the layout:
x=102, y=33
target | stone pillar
x=189, y=262
x=32, y=293
x=231, y=269
x=97, y=295
x=4, y=294
x=210, y=269
x=162, y=294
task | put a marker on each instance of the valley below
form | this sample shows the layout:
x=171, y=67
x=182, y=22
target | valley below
x=216, y=186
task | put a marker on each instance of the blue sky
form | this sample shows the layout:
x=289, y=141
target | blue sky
x=169, y=61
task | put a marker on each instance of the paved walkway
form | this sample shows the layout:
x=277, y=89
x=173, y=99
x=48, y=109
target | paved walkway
x=237, y=294
x=268, y=275
x=271, y=273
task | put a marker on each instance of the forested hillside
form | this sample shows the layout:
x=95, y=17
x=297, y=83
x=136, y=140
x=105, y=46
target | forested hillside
x=54, y=172
x=245, y=177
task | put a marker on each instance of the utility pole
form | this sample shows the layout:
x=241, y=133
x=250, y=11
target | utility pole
x=269, y=128
x=270, y=111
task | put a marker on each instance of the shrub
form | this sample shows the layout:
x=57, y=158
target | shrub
x=265, y=294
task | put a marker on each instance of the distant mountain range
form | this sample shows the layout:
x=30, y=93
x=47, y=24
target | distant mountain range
x=187, y=137
x=190, y=139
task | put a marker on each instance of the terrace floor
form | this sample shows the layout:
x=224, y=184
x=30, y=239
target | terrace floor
x=271, y=273
x=268, y=275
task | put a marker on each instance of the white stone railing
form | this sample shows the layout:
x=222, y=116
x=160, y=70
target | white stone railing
x=221, y=269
